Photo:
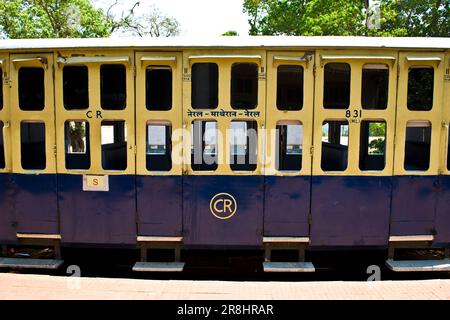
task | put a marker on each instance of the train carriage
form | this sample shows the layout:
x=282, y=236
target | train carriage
x=274, y=143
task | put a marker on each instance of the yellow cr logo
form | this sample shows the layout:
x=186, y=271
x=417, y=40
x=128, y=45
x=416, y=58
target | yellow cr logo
x=223, y=206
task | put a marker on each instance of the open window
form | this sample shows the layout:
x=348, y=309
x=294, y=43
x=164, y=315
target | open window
x=75, y=87
x=2, y=147
x=336, y=88
x=243, y=145
x=114, y=145
x=31, y=89
x=205, y=86
x=289, y=87
x=417, y=145
x=244, y=86
x=113, y=86
x=420, y=88
x=77, y=145
x=158, y=88
x=375, y=86
x=32, y=145
x=372, y=147
x=204, y=146
x=335, y=137
x=159, y=147
x=289, y=150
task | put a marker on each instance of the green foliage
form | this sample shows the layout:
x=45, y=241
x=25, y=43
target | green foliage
x=377, y=146
x=377, y=129
x=230, y=33
x=52, y=19
x=350, y=17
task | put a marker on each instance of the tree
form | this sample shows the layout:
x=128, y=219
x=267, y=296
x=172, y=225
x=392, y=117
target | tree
x=230, y=33
x=335, y=17
x=52, y=19
x=153, y=23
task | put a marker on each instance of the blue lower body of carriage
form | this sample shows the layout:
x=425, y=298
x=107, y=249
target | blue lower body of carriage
x=345, y=211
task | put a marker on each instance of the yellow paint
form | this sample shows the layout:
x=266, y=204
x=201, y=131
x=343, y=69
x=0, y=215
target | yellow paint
x=128, y=114
x=311, y=116
x=5, y=111
x=404, y=115
x=47, y=116
x=388, y=115
x=144, y=116
x=224, y=62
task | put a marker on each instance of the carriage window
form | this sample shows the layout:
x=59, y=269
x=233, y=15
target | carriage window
x=158, y=88
x=75, y=87
x=335, y=136
x=113, y=86
x=290, y=87
x=205, y=86
x=375, y=82
x=336, y=89
x=243, y=145
x=32, y=145
x=420, y=88
x=372, y=147
x=77, y=145
x=114, y=145
x=1, y=89
x=289, y=147
x=244, y=86
x=417, y=146
x=159, y=147
x=2, y=148
x=31, y=89
x=204, y=145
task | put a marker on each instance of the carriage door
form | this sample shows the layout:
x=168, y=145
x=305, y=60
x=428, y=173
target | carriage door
x=95, y=144
x=223, y=117
x=7, y=232
x=290, y=90
x=33, y=143
x=159, y=137
x=443, y=214
x=419, y=127
x=353, y=147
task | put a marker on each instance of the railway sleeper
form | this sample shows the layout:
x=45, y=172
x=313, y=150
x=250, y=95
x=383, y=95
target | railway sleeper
x=286, y=243
x=146, y=243
x=415, y=242
x=25, y=239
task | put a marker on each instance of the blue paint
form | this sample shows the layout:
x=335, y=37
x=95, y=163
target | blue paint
x=95, y=217
x=350, y=210
x=202, y=228
x=7, y=218
x=286, y=206
x=35, y=205
x=159, y=204
x=443, y=212
x=346, y=210
x=414, y=200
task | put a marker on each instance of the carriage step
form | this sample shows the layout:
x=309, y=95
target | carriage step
x=288, y=267
x=285, y=240
x=158, y=266
x=25, y=263
x=418, y=265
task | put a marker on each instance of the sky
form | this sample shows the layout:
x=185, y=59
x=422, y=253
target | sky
x=197, y=18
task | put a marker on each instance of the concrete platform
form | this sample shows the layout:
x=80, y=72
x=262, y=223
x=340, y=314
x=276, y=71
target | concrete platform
x=21, y=286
